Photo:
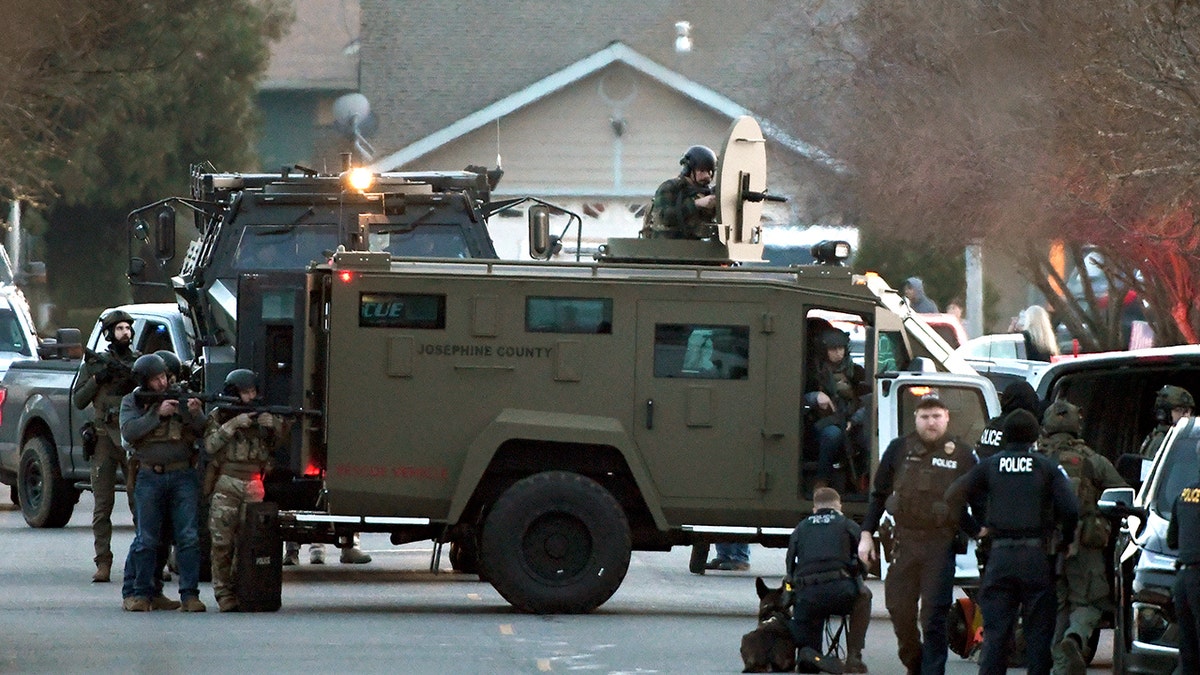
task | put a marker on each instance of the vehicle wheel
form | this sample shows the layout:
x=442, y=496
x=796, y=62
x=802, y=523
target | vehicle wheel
x=556, y=543
x=47, y=500
x=464, y=554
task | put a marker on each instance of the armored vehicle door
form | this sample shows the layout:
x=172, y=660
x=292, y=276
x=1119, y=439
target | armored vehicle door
x=270, y=330
x=700, y=385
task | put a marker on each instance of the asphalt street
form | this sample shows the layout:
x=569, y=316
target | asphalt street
x=391, y=615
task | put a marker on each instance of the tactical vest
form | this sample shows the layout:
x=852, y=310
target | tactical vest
x=170, y=429
x=922, y=477
x=1076, y=460
x=247, y=447
x=1187, y=511
x=992, y=438
x=1018, y=490
x=825, y=545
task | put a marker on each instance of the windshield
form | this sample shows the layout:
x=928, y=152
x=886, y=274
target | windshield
x=284, y=247
x=1179, y=469
x=12, y=337
x=429, y=240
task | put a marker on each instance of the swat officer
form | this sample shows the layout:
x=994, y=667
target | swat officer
x=913, y=475
x=826, y=579
x=1171, y=404
x=1016, y=396
x=103, y=379
x=162, y=432
x=1083, y=585
x=1022, y=496
x=1183, y=533
x=239, y=447
x=684, y=206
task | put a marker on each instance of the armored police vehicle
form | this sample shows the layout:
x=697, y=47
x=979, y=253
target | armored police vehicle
x=547, y=418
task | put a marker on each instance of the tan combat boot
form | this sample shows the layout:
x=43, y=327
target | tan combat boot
x=135, y=604
x=192, y=604
x=354, y=556
x=227, y=604
x=163, y=602
x=103, y=572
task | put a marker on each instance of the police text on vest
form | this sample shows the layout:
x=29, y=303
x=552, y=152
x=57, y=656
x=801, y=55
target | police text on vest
x=1016, y=464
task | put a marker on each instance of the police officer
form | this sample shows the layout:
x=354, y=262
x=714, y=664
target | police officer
x=103, y=379
x=162, y=433
x=833, y=394
x=239, y=447
x=826, y=579
x=1016, y=396
x=684, y=207
x=913, y=475
x=1022, y=496
x=1171, y=404
x=1183, y=533
x=1083, y=591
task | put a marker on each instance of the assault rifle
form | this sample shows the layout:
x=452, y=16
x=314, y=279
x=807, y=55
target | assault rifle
x=222, y=402
x=111, y=370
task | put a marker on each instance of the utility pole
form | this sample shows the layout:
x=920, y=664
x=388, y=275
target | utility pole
x=14, y=236
x=974, y=264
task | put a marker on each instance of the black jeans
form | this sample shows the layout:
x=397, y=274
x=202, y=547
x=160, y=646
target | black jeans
x=1017, y=577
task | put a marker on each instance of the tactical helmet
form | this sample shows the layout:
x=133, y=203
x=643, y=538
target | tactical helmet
x=1170, y=397
x=698, y=157
x=110, y=319
x=831, y=338
x=174, y=365
x=148, y=366
x=1062, y=417
x=240, y=380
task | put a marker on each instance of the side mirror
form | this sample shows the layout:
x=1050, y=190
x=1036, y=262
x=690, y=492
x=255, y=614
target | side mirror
x=164, y=234
x=1118, y=503
x=541, y=244
x=141, y=230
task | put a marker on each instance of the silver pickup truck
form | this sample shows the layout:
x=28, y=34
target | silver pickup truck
x=41, y=454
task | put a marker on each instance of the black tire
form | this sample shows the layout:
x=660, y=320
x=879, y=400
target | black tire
x=47, y=499
x=464, y=554
x=556, y=543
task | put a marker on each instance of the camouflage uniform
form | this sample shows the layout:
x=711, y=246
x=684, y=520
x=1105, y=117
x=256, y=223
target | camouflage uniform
x=674, y=214
x=97, y=386
x=241, y=454
x=1167, y=399
x=1083, y=589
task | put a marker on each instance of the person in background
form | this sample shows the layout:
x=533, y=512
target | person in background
x=955, y=308
x=1034, y=324
x=1016, y=396
x=1171, y=404
x=1183, y=535
x=684, y=207
x=914, y=292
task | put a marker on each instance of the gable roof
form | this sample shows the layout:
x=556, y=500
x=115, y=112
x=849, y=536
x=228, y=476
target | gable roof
x=614, y=53
x=320, y=49
x=428, y=64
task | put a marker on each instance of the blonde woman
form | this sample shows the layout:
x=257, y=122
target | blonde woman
x=1034, y=324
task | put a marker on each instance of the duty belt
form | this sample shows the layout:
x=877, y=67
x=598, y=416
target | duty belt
x=242, y=470
x=821, y=577
x=168, y=468
x=1027, y=541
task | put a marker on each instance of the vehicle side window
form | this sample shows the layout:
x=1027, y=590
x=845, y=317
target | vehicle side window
x=154, y=336
x=968, y=411
x=1178, y=470
x=568, y=315
x=701, y=351
x=892, y=354
x=12, y=338
x=402, y=310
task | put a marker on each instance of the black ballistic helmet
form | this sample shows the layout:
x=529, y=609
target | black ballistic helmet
x=698, y=157
x=832, y=337
x=174, y=365
x=148, y=366
x=110, y=319
x=240, y=380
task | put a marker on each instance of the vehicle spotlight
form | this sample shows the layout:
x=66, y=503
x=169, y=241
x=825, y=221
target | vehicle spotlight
x=360, y=178
x=830, y=252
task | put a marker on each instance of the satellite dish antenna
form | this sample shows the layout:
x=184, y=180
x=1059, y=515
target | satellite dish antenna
x=352, y=116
